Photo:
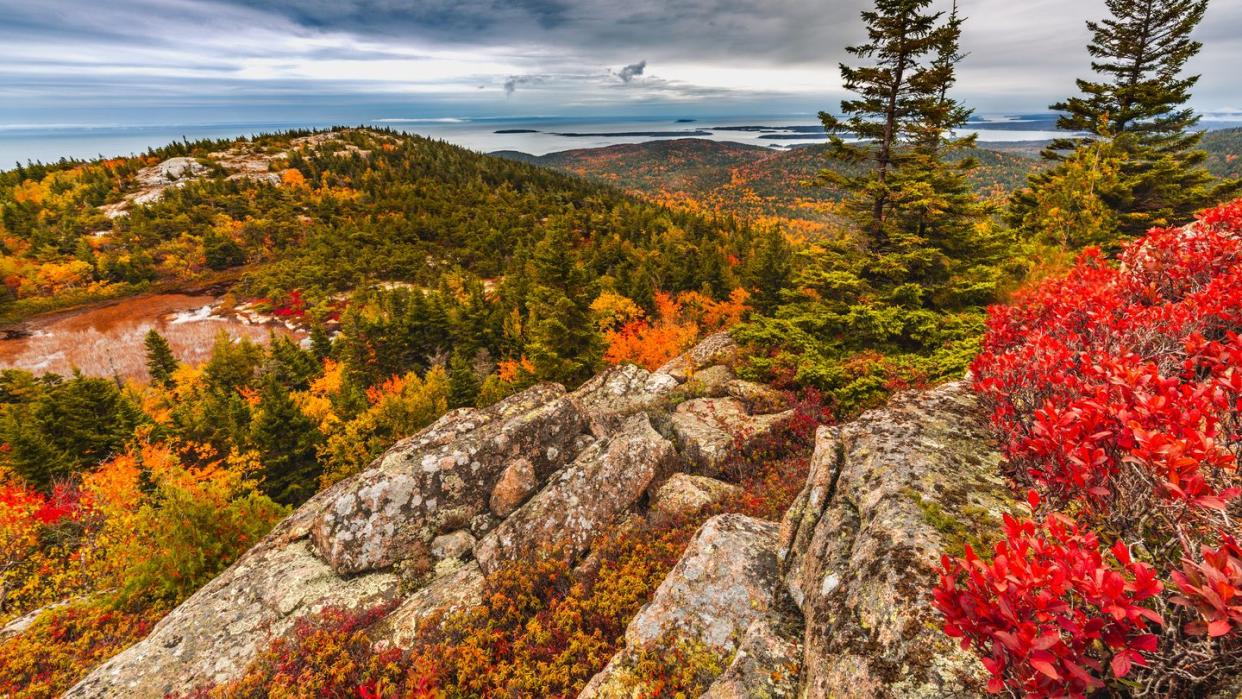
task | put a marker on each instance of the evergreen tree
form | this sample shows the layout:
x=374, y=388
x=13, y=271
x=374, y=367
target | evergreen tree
x=769, y=270
x=1138, y=103
x=915, y=294
x=464, y=382
x=160, y=360
x=564, y=344
x=891, y=95
x=919, y=213
x=67, y=427
x=291, y=366
x=286, y=440
x=321, y=342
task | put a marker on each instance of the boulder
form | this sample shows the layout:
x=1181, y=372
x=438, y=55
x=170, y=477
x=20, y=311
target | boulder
x=457, y=589
x=886, y=495
x=604, y=482
x=213, y=635
x=516, y=484
x=767, y=662
x=620, y=391
x=726, y=580
x=709, y=382
x=426, y=485
x=684, y=495
x=170, y=170
x=758, y=398
x=713, y=349
x=710, y=430
x=452, y=545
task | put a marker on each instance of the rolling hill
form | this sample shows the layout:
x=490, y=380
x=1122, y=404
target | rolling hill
x=765, y=183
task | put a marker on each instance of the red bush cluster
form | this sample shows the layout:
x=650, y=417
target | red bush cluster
x=1117, y=391
x=1049, y=607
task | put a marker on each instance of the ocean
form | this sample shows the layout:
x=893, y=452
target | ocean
x=535, y=135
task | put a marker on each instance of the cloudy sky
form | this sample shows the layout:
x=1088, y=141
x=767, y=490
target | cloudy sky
x=104, y=61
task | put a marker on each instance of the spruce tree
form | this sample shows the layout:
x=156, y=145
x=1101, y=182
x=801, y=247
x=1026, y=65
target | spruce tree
x=1138, y=103
x=918, y=211
x=563, y=342
x=286, y=440
x=889, y=97
x=464, y=382
x=769, y=269
x=912, y=285
x=160, y=360
x=320, y=341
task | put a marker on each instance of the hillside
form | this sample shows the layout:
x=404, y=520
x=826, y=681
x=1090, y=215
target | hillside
x=756, y=182
x=760, y=182
x=1224, y=149
x=313, y=213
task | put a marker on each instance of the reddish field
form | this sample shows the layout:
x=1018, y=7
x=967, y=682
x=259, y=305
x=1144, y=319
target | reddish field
x=107, y=340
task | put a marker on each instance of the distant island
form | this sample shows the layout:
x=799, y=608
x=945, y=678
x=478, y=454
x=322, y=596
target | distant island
x=814, y=128
x=793, y=136
x=516, y=131
x=686, y=121
x=643, y=134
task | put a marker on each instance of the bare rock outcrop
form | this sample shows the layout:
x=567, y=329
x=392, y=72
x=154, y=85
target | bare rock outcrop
x=215, y=634
x=832, y=602
x=456, y=589
x=441, y=479
x=885, y=496
x=713, y=349
x=621, y=391
x=726, y=581
x=710, y=430
x=339, y=549
x=604, y=482
x=767, y=662
x=684, y=495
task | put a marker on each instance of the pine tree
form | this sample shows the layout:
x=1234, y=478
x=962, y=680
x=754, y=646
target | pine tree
x=160, y=360
x=1138, y=103
x=286, y=440
x=919, y=212
x=563, y=342
x=890, y=96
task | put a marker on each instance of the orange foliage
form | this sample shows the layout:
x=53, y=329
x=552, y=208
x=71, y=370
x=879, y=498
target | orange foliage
x=293, y=178
x=679, y=322
x=510, y=370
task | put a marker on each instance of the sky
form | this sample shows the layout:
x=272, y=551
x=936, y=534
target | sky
x=216, y=61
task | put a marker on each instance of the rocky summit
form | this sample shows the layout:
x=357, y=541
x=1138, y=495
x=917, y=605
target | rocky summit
x=827, y=603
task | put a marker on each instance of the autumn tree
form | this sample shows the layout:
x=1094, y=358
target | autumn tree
x=1137, y=102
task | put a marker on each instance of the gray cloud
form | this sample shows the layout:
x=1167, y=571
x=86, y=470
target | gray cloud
x=627, y=73
x=1021, y=55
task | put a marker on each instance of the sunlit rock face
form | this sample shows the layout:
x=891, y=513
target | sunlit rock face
x=886, y=495
x=830, y=602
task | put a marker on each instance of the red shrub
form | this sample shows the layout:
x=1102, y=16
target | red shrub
x=1117, y=392
x=1049, y=613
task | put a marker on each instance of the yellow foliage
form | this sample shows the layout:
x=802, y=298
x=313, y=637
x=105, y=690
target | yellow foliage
x=613, y=310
